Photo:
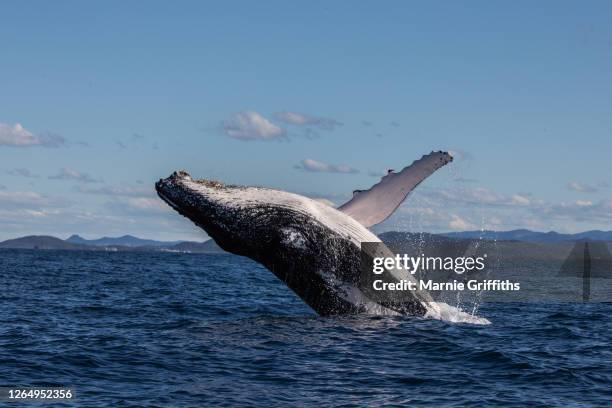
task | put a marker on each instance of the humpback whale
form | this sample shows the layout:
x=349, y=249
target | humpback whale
x=313, y=248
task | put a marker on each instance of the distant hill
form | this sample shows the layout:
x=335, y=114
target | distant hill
x=120, y=244
x=126, y=240
x=525, y=235
x=39, y=242
x=206, y=247
x=451, y=242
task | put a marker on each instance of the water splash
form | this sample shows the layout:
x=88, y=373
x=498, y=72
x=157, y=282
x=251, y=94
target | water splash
x=448, y=313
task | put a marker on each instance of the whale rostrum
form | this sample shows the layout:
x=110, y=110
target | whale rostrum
x=313, y=248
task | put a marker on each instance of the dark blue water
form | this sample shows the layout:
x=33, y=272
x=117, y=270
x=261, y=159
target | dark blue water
x=145, y=329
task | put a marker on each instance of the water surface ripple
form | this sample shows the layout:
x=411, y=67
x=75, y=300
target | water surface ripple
x=155, y=329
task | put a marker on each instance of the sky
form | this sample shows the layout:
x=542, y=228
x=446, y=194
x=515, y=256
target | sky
x=98, y=100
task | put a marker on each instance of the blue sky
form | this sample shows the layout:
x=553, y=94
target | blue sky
x=97, y=101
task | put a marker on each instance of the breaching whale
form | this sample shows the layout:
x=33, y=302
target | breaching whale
x=310, y=246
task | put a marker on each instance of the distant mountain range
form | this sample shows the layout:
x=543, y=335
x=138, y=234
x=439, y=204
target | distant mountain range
x=124, y=243
x=525, y=235
x=126, y=240
x=132, y=243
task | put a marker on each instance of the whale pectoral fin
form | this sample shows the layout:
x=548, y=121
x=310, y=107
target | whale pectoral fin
x=375, y=205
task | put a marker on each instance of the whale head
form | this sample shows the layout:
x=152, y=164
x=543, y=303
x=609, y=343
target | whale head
x=207, y=203
x=255, y=221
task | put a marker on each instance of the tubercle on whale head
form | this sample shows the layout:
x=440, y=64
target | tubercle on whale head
x=182, y=175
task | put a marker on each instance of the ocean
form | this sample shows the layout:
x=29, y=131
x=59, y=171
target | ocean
x=168, y=329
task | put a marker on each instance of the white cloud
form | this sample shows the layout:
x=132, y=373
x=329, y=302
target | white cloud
x=325, y=201
x=19, y=197
x=437, y=210
x=73, y=175
x=519, y=199
x=251, y=125
x=97, y=222
x=300, y=119
x=18, y=136
x=481, y=196
x=578, y=211
x=28, y=200
x=147, y=204
x=581, y=187
x=320, y=167
x=32, y=213
x=140, y=207
x=483, y=208
x=459, y=224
